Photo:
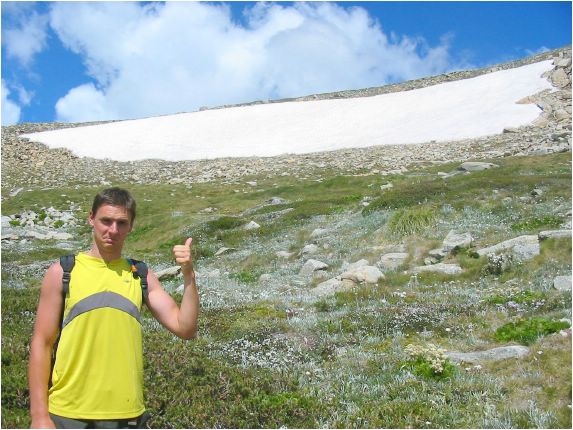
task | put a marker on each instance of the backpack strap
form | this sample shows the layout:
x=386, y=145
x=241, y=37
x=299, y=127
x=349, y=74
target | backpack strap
x=139, y=269
x=67, y=262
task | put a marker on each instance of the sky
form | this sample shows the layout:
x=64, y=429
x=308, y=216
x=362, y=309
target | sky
x=415, y=116
x=90, y=61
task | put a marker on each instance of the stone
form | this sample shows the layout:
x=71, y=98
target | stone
x=166, y=273
x=276, y=201
x=367, y=274
x=392, y=260
x=554, y=234
x=536, y=192
x=455, y=241
x=284, y=254
x=224, y=250
x=523, y=247
x=495, y=354
x=331, y=287
x=560, y=79
x=251, y=226
x=476, y=166
x=562, y=283
x=318, y=232
x=446, y=269
x=352, y=266
x=310, y=249
x=386, y=186
x=59, y=236
x=311, y=266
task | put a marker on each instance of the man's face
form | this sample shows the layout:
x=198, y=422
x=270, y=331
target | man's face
x=111, y=225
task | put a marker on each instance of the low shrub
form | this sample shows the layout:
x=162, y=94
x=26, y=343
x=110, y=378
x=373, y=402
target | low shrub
x=429, y=361
x=548, y=221
x=527, y=331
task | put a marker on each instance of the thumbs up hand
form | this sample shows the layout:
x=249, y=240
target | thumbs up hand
x=183, y=257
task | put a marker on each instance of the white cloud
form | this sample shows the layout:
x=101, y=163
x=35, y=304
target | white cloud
x=26, y=36
x=178, y=56
x=10, y=110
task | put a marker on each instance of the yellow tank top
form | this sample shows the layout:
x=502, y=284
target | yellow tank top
x=98, y=373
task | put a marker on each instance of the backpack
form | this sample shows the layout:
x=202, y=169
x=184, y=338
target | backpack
x=138, y=268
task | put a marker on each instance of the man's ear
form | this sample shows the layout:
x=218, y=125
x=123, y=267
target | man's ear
x=91, y=219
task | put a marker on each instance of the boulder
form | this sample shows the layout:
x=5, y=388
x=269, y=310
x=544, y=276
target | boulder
x=352, y=266
x=224, y=250
x=495, y=354
x=367, y=274
x=454, y=241
x=310, y=249
x=311, y=266
x=318, y=232
x=251, y=226
x=554, y=234
x=446, y=269
x=166, y=273
x=392, y=260
x=562, y=283
x=331, y=287
x=522, y=247
x=476, y=166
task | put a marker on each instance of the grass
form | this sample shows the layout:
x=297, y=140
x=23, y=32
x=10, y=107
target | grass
x=270, y=356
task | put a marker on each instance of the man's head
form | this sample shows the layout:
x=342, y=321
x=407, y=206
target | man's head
x=115, y=197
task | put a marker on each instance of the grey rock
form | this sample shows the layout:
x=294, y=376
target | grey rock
x=318, y=232
x=562, y=283
x=367, y=274
x=476, y=166
x=352, y=266
x=392, y=260
x=170, y=271
x=447, y=269
x=454, y=241
x=310, y=249
x=251, y=226
x=331, y=287
x=224, y=250
x=522, y=247
x=554, y=234
x=495, y=354
x=311, y=266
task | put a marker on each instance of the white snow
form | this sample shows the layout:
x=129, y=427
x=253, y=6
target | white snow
x=468, y=108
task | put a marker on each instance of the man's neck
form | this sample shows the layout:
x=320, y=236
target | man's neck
x=105, y=256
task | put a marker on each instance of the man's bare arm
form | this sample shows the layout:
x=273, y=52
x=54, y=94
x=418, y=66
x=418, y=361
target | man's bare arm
x=45, y=332
x=181, y=321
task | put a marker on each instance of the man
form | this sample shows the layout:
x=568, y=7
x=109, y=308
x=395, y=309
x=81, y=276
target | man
x=97, y=379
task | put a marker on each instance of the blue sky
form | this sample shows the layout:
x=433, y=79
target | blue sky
x=70, y=62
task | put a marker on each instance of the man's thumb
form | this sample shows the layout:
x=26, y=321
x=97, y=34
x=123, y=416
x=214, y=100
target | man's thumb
x=188, y=241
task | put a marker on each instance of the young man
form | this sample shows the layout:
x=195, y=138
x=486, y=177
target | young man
x=97, y=378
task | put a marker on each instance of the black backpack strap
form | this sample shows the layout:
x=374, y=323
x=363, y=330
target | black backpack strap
x=67, y=262
x=139, y=269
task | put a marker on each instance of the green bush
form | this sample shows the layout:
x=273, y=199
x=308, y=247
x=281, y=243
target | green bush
x=59, y=223
x=527, y=331
x=15, y=222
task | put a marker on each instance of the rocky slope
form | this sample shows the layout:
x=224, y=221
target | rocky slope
x=28, y=164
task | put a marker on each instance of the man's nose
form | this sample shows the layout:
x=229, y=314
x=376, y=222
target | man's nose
x=113, y=227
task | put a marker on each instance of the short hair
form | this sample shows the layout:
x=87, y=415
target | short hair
x=115, y=196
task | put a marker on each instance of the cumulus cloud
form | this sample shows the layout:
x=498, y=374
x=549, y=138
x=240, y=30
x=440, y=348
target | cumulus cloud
x=10, y=110
x=25, y=35
x=161, y=58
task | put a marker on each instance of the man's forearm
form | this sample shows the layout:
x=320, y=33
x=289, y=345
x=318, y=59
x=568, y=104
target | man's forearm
x=38, y=378
x=189, y=310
